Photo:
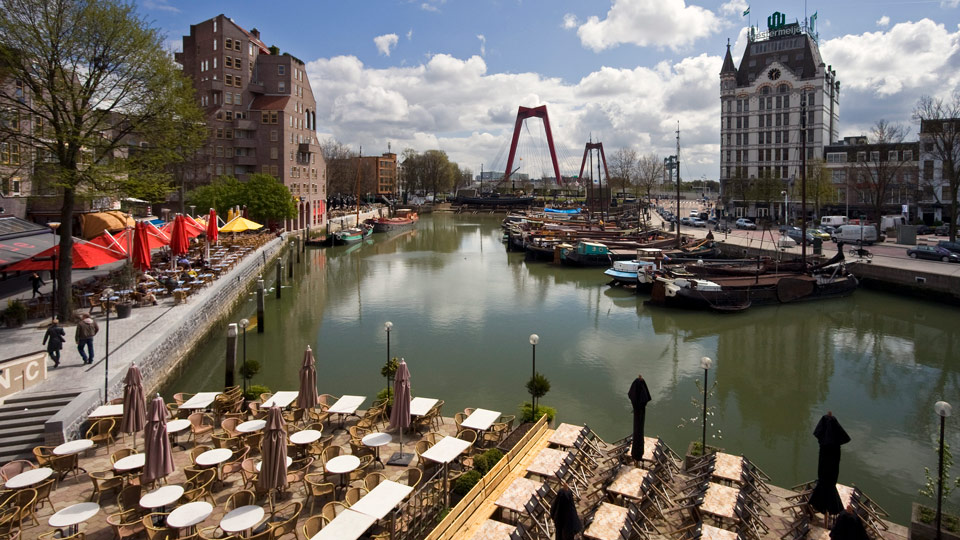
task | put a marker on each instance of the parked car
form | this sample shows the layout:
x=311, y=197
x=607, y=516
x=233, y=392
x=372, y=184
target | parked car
x=697, y=222
x=942, y=230
x=829, y=229
x=744, y=223
x=855, y=234
x=794, y=233
x=820, y=233
x=935, y=253
x=952, y=246
x=924, y=229
x=686, y=220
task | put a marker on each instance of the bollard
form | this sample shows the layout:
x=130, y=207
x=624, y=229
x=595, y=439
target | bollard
x=231, y=366
x=279, y=276
x=290, y=265
x=260, y=310
x=298, y=247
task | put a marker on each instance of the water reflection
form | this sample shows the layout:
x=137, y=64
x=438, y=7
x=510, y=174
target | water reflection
x=462, y=309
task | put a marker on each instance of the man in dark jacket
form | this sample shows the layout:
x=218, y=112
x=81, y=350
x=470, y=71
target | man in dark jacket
x=86, y=329
x=36, y=281
x=54, y=339
x=563, y=512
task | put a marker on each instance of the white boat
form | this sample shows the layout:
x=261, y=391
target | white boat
x=625, y=272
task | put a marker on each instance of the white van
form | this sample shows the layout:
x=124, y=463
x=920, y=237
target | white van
x=833, y=221
x=891, y=222
x=853, y=234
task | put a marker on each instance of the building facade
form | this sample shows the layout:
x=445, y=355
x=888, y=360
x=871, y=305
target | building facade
x=938, y=139
x=385, y=168
x=260, y=111
x=781, y=101
x=858, y=169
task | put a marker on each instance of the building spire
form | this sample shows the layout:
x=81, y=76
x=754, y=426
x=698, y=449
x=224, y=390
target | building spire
x=728, y=66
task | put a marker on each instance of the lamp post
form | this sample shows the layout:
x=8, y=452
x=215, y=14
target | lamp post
x=705, y=363
x=243, y=368
x=943, y=410
x=387, y=326
x=786, y=215
x=108, y=292
x=534, y=339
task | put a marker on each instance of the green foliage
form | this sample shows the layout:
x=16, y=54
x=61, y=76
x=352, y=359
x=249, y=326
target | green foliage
x=389, y=369
x=485, y=461
x=221, y=194
x=466, y=481
x=526, y=412
x=387, y=394
x=929, y=488
x=538, y=386
x=947, y=521
x=126, y=277
x=16, y=312
x=254, y=390
x=249, y=369
x=268, y=199
x=697, y=449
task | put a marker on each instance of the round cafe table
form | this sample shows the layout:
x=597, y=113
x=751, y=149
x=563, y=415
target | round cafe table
x=305, y=436
x=242, y=518
x=174, y=427
x=251, y=426
x=131, y=462
x=161, y=497
x=375, y=441
x=73, y=447
x=259, y=463
x=72, y=516
x=214, y=457
x=29, y=478
x=342, y=465
x=189, y=515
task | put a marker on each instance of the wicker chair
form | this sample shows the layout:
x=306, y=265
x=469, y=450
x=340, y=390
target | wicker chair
x=332, y=509
x=101, y=432
x=287, y=516
x=104, y=481
x=239, y=498
x=318, y=489
x=353, y=495
x=14, y=468
x=313, y=525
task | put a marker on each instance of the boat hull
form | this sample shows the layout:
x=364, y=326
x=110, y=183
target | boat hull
x=347, y=237
x=393, y=224
x=784, y=290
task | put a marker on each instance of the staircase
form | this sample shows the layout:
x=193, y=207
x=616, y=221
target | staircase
x=22, y=422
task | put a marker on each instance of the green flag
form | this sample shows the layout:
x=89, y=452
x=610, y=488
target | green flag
x=747, y=12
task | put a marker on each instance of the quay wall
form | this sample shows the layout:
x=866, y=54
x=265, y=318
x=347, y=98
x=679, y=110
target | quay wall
x=165, y=343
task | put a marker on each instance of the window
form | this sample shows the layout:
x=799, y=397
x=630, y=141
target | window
x=836, y=157
x=875, y=156
x=228, y=61
x=228, y=152
x=214, y=64
x=928, y=170
x=281, y=86
x=264, y=117
x=273, y=135
x=219, y=133
x=251, y=48
x=280, y=68
x=228, y=99
x=219, y=169
x=908, y=155
x=274, y=117
x=273, y=170
x=762, y=118
x=762, y=102
x=237, y=45
x=229, y=134
x=214, y=48
x=228, y=44
x=214, y=27
x=219, y=151
x=265, y=169
x=892, y=155
x=236, y=99
x=273, y=152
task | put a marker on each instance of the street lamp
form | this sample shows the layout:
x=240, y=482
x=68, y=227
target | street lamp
x=786, y=215
x=387, y=326
x=705, y=364
x=243, y=374
x=943, y=410
x=534, y=339
x=108, y=292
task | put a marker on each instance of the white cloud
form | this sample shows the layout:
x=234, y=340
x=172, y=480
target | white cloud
x=160, y=5
x=734, y=7
x=432, y=5
x=883, y=22
x=409, y=34
x=949, y=4
x=570, y=21
x=660, y=23
x=483, y=44
x=386, y=43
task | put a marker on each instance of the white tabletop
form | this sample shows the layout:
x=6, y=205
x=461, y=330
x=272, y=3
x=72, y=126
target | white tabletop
x=200, y=400
x=382, y=499
x=189, y=514
x=349, y=525
x=305, y=436
x=420, y=406
x=280, y=399
x=214, y=457
x=251, y=425
x=74, y=515
x=342, y=464
x=176, y=426
x=347, y=405
x=134, y=461
x=446, y=450
x=29, y=478
x=374, y=440
x=259, y=463
x=107, y=410
x=161, y=496
x=242, y=518
x=480, y=419
x=73, y=447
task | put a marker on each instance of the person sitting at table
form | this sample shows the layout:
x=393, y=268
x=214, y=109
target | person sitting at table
x=170, y=284
x=184, y=276
x=146, y=295
x=201, y=262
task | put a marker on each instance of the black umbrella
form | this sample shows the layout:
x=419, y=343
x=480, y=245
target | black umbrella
x=848, y=527
x=563, y=511
x=831, y=436
x=639, y=396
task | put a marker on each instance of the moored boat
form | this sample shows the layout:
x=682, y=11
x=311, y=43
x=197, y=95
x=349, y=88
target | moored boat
x=626, y=272
x=351, y=235
x=405, y=219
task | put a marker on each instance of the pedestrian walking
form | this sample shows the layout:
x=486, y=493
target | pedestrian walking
x=86, y=329
x=37, y=282
x=54, y=339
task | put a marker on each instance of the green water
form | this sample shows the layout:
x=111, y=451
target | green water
x=463, y=309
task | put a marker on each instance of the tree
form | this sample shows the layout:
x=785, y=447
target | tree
x=875, y=174
x=222, y=194
x=437, y=175
x=93, y=75
x=341, y=166
x=820, y=189
x=267, y=199
x=624, y=167
x=940, y=142
x=649, y=172
x=766, y=189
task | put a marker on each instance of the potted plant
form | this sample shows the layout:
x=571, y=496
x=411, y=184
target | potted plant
x=16, y=313
x=253, y=392
x=247, y=370
x=923, y=525
x=125, y=280
x=702, y=419
x=538, y=386
x=388, y=371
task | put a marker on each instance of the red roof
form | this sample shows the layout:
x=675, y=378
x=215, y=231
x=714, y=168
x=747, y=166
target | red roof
x=270, y=103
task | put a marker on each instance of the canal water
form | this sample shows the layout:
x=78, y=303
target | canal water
x=463, y=309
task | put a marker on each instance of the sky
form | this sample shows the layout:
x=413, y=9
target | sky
x=450, y=74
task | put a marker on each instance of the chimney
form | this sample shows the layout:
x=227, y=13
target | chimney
x=256, y=33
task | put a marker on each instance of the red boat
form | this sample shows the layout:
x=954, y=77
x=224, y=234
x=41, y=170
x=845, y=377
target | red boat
x=404, y=219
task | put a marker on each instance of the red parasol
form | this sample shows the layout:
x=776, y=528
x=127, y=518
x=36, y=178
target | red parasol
x=212, y=229
x=179, y=242
x=111, y=242
x=141, y=248
x=84, y=255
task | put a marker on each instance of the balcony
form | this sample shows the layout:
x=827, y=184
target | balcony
x=245, y=143
x=246, y=160
x=304, y=148
x=245, y=124
x=256, y=87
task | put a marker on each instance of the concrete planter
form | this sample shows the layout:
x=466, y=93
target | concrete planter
x=124, y=309
x=689, y=459
x=920, y=530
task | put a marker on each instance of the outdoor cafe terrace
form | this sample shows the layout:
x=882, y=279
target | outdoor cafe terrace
x=340, y=483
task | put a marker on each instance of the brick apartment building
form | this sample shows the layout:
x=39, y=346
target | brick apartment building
x=260, y=111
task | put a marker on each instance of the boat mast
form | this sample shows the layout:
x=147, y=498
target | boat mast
x=356, y=189
x=590, y=202
x=679, y=238
x=803, y=179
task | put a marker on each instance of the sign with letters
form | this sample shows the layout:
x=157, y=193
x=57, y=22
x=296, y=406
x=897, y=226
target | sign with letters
x=22, y=372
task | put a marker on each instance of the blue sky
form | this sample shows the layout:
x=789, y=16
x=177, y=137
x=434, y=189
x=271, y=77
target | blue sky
x=450, y=74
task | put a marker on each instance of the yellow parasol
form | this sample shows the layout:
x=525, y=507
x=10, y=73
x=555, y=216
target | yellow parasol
x=240, y=224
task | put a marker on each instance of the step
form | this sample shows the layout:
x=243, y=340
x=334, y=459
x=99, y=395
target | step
x=60, y=398
x=40, y=413
x=9, y=433
x=32, y=439
x=20, y=451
